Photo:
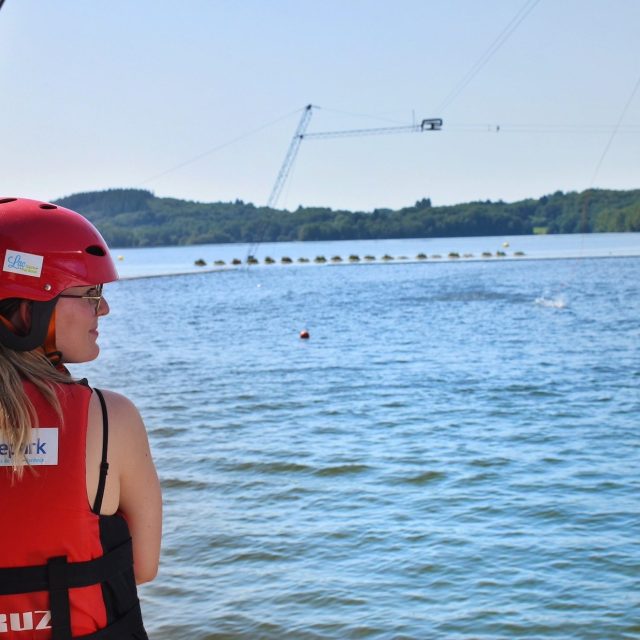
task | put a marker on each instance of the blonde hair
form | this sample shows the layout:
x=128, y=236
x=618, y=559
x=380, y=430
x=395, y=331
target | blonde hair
x=17, y=413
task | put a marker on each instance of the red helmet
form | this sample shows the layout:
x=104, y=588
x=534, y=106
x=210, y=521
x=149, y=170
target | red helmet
x=46, y=249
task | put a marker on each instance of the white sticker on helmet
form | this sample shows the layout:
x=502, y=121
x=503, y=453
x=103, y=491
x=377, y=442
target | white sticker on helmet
x=26, y=264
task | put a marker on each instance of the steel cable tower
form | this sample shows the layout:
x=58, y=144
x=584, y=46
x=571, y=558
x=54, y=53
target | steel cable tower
x=428, y=124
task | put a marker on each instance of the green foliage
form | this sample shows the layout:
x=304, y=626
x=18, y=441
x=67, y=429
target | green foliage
x=137, y=218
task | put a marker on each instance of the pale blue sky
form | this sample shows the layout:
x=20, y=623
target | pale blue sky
x=97, y=95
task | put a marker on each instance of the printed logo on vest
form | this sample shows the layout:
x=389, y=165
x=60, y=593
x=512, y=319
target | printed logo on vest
x=26, y=264
x=41, y=451
x=26, y=621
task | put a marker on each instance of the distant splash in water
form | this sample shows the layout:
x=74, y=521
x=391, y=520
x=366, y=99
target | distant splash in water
x=558, y=302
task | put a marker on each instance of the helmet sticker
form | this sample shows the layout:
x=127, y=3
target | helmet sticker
x=26, y=264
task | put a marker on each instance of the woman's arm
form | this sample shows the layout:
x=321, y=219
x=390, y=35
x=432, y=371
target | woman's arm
x=132, y=484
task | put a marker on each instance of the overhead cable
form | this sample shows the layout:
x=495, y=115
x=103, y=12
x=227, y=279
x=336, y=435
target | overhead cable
x=542, y=128
x=364, y=115
x=502, y=37
x=217, y=148
x=615, y=131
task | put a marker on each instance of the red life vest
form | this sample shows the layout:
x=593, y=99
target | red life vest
x=65, y=571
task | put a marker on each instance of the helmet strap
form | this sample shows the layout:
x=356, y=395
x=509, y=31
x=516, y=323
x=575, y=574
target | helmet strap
x=8, y=324
x=49, y=345
x=41, y=314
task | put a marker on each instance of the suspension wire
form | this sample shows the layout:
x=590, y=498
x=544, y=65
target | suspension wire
x=502, y=37
x=615, y=131
x=584, y=219
x=364, y=115
x=228, y=143
x=577, y=269
x=543, y=128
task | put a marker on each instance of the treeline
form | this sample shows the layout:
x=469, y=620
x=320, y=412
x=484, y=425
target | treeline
x=137, y=218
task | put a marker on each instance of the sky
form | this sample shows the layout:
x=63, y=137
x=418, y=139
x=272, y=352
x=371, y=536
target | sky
x=199, y=100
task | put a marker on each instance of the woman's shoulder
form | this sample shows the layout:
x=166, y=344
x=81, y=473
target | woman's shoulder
x=117, y=403
x=124, y=419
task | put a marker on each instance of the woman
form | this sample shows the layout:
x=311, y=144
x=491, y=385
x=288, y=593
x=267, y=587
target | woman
x=81, y=505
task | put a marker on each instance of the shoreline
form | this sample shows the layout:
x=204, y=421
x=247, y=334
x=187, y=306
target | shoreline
x=376, y=262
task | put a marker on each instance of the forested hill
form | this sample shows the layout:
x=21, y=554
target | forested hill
x=137, y=218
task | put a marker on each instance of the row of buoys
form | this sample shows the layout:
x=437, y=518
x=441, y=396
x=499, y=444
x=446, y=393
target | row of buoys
x=452, y=255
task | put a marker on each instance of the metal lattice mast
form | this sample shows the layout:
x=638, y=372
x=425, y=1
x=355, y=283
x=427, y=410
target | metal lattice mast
x=291, y=156
x=428, y=124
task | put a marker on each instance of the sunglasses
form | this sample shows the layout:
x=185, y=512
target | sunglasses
x=95, y=299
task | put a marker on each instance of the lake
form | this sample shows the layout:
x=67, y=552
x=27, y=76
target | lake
x=453, y=453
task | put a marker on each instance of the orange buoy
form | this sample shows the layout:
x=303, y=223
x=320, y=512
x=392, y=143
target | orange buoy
x=304, y=334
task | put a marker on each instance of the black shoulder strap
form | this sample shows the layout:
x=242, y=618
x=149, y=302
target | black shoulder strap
x=104, y=465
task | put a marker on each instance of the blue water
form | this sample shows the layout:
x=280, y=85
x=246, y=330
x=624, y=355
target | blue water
x=454, y=453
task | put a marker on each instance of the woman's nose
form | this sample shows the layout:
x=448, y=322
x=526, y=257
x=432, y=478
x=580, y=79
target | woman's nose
x=104, y=307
